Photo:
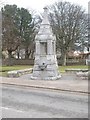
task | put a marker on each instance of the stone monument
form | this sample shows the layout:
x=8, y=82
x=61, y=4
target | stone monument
x=45, y=64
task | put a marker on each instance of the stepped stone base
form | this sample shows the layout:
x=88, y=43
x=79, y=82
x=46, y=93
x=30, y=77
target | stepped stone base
x=45, y=78
x=18, y=73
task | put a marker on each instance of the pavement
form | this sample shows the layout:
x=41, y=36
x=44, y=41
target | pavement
x=68, y=82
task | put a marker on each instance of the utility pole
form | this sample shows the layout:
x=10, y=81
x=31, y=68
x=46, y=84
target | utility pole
x=89, y=47
x=89, y=32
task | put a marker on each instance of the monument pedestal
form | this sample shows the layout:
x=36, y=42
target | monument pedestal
x=45, y=64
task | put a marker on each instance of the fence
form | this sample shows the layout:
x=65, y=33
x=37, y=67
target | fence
x=18, y=62
x=73, y=62
x=31, y=62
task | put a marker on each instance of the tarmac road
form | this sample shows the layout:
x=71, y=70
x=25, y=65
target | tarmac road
x=20, y=102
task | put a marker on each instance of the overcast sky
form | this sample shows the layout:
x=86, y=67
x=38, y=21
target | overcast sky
x=38, y=5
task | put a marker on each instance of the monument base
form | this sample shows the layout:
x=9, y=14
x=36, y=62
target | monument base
x=45, y=63
x=45, y=78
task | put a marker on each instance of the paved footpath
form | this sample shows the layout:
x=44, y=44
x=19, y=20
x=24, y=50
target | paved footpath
x=68, y=82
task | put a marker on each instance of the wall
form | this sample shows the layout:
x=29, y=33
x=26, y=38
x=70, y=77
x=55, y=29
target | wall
x=31, y=62
x=18, y=62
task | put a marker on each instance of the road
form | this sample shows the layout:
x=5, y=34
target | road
x=20, y=102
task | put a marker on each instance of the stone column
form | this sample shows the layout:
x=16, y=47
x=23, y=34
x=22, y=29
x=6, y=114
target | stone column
x=54, y=48
x=49, y=47
x=37, y=48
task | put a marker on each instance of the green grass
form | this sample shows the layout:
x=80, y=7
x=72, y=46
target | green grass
x=5, y=69
x=62, y=68
x=4, y=74
x=16, y=67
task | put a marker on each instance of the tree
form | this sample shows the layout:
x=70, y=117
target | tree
x=10, y=37
x=18, y=30
x=26, y=29
x=66, y=21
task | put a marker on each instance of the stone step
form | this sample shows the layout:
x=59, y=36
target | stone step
x=18, y=73
x=76, y=70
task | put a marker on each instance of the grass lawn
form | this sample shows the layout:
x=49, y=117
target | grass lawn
x=5, y=69
x=62, y=68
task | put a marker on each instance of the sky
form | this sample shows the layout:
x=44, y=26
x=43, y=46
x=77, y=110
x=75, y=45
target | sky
x=38, y=5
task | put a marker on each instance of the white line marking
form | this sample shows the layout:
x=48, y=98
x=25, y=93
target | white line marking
x=7, y=108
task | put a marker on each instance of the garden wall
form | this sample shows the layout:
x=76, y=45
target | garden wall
x=31, y=62
x=18, y=62
x=74, y=62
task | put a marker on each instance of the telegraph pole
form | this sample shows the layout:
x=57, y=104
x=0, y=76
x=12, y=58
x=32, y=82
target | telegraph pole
x=89, y=51
x=89, y=32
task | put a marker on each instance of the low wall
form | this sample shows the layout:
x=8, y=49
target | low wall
x=78, y=62
x=31, y=62
x=18, y=62
x=24, y=62
x=73, y=62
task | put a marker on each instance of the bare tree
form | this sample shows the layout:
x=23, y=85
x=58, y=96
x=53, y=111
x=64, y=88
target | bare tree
x=66, y=21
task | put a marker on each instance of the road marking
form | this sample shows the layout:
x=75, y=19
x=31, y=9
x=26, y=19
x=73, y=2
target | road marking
x=8, y=108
